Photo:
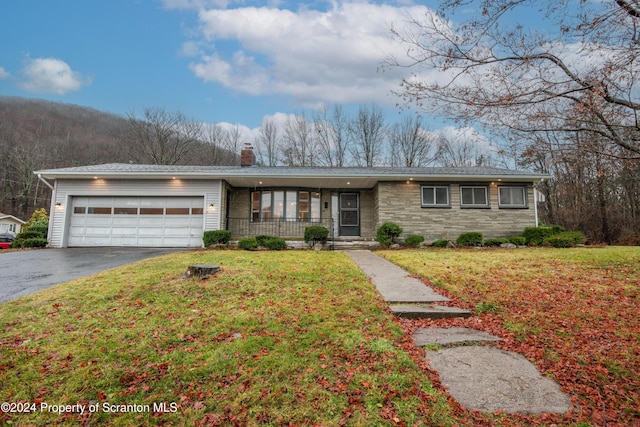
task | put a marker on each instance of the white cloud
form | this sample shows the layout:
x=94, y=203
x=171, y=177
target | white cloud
x=314, y=56
x=4, y=74
x=51, y=75
x=191, y=49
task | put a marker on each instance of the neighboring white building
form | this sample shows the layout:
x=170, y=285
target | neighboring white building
x=10, y=224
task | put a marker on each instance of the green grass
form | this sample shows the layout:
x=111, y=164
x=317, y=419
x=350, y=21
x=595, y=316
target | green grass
x=574, y=312
x=302, y=338
x=275, y=338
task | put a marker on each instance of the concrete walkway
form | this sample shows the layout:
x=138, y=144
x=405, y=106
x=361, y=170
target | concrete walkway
x=394, y=284
x=478, y=377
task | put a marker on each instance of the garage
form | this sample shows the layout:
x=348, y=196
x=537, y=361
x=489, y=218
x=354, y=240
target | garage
x=147, y=221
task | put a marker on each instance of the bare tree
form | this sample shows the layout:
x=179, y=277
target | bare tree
x=332, y=130
x=267, y=143
x=591, y=192
x=578, y=75
x=161, y=137
x=461, y=150
x=299, y=143
x=410, y=144
x=234, y=141
x=216, y=147
x=367, y=131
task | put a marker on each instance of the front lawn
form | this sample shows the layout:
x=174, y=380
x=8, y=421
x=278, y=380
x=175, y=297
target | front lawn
x=275, y=338
x=573, y=312
x=302, y=338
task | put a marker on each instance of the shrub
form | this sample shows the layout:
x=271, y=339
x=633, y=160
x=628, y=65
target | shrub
x=517, y=240
x=472, y=238
x=248, y=244
x=316, y=234
x=215, y=237
x=33, y=242
x=261, y=239
x=535, y=236
x=577, y=236
x=38, y=216
x=28, y=235
x=19, y=240
x=40, y=226
x=559, y=241
x=387, y=233
x=414, y=240
x=442, y=243
x=565, y=239
x=274, y=243
x=495, y=242
x=35, y=235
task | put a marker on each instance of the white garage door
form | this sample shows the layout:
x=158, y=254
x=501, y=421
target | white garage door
x=136, y=221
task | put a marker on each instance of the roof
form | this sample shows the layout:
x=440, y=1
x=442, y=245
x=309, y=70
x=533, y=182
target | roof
x=7, y=216
x=325, y=177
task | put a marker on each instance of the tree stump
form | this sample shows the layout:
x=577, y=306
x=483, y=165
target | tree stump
x=201, y=270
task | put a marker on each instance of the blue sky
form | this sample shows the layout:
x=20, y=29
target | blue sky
x=216, y=61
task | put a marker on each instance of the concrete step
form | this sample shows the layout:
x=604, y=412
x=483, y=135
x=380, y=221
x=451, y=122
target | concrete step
x=428, y=311
x=350, y=245
x=445, y=336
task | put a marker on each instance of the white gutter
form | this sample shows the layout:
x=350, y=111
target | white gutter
x=45, y=182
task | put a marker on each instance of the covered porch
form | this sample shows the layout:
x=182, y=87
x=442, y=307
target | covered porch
x=286, y=212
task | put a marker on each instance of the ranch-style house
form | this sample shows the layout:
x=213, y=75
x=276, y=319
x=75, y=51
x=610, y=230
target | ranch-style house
x=171, y=206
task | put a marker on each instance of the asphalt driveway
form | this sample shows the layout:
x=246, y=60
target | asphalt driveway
x=25, y=272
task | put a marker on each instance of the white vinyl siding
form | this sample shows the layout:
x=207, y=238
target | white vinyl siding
x=207, y=194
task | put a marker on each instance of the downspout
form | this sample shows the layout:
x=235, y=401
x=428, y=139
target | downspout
x=535, y=202
x=51, y=208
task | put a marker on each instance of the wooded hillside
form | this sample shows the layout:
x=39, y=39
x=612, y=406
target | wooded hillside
x=37, y=134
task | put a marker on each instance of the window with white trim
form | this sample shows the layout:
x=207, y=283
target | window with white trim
x=474, y=196
x=512, y=197
x=435, y=196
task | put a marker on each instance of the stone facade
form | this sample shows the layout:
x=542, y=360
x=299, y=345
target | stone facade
x=401, y=203
x=240, y=225
x=367, y=214
x=398, y=202
x=240, y=213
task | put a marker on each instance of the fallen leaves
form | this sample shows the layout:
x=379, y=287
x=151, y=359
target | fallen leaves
x=574, y=317
x=292, y=338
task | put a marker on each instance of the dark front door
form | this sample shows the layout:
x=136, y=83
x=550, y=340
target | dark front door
x=349, y=214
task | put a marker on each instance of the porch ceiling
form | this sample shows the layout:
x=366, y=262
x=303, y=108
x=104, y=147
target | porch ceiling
x=302, y=181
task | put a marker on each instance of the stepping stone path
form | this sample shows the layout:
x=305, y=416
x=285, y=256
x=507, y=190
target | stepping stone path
x=489, y=379
x=477, y=376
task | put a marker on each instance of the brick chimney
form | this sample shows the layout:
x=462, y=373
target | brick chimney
x=247, y=156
